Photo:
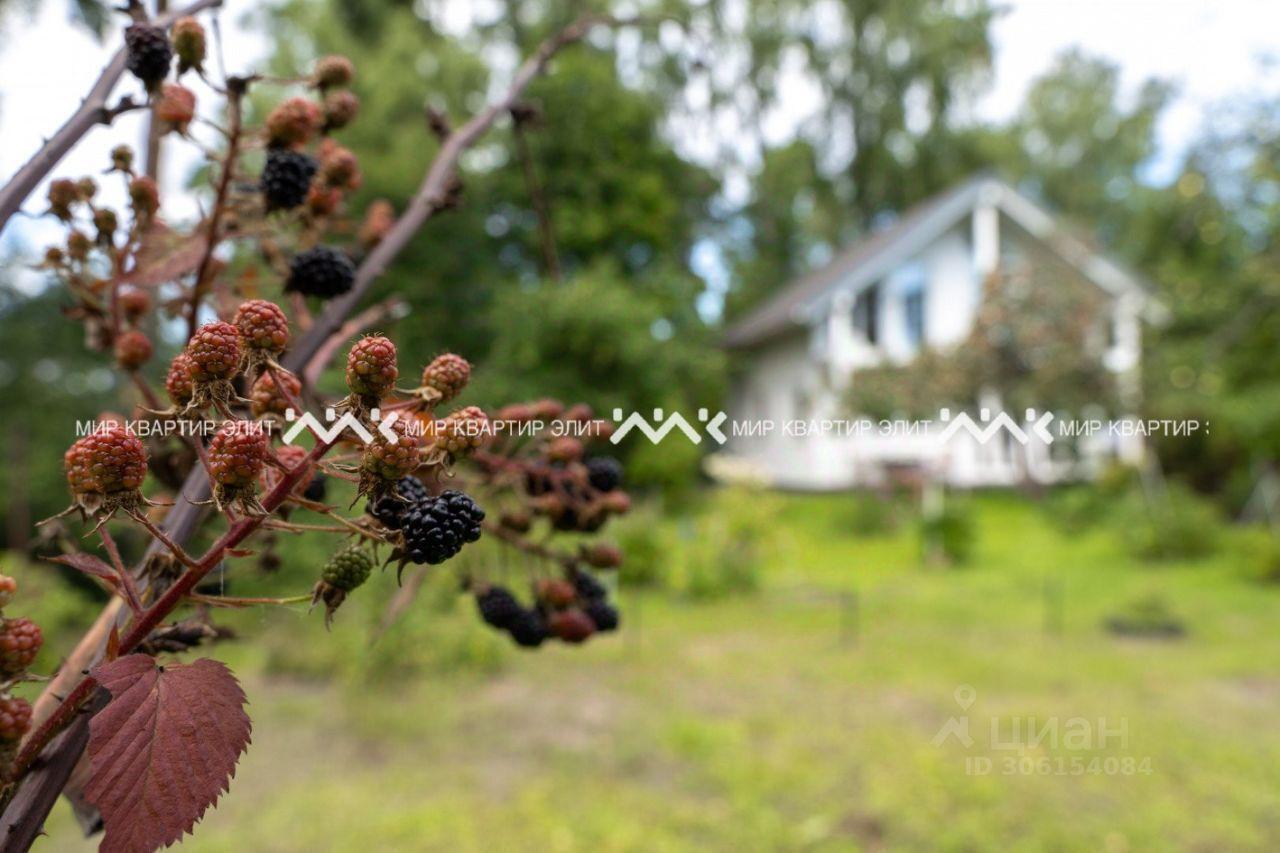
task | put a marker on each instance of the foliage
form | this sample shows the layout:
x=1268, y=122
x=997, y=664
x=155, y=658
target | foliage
x=191, y=718
x=1171, y=524
x=1147, y=616
x=948, y=535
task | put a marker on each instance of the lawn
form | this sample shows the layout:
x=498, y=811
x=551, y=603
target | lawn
x=800, y=716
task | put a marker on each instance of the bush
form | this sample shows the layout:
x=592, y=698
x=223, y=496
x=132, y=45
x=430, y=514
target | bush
x=948, y=537
x=1148, y=616
x=870, y=515
x=1175, y=525
x=1260, y=555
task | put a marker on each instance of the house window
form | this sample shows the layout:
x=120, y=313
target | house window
x=866, y=313
x=913, y=311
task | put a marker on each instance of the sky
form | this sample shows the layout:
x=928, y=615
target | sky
x=1209, y=47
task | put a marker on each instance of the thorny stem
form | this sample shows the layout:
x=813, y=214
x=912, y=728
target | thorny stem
x=26, y=811
x=127, y=588
x=515, y=540
x=236, y=88
x=93, y=110
x=144, y=623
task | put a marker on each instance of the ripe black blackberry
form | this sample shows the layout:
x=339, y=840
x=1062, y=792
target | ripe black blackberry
x=498, y=607
x=435, y=529
x=604, y=473
x=321, y=271
x=390, y=508
x=286, y=178
x=529, y=629
x=316, y=489
x=587, y=587
x=603, y=614
x=148, y=54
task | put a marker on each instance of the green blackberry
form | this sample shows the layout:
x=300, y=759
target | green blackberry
x=498, y=607
x=529, y=629
x=435, y=529
x=347, y=569
x=604, y=473
x=148, y=54
x=603, y=614
x=390, y=508
x=321, y=271
x=286, y=178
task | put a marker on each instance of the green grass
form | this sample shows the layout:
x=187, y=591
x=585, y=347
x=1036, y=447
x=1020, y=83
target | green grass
x=799, y=717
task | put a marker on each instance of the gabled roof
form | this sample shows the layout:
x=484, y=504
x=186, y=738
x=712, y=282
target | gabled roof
x=868, y=260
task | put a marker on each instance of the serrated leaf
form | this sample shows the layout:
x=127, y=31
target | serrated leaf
x=163, y=749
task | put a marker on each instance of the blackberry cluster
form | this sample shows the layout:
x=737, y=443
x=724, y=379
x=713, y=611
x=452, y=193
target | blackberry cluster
x=20, y=642
x=390, y=509
x=321, y=271
x=436, y=528
x=503, y=611
x=149, y=53
x=286, y=178
x=604, y=473
x=595, y=601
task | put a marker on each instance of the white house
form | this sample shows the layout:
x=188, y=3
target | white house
x=914, y=284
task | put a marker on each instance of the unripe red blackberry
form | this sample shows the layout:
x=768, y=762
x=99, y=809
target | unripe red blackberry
x=460, y=433
x=556, y=592
x=347, y=570
x=371, y=367
x=214, y=351
x=266, y=399
x=8, y=588
x=106, y=461
x=63, y=193
x=134, y=302
x=78, y=245
x=547, y=409
x=565, y=449
x=105, y=222
x=571, y=626
x=338, y=166
x=291, y=456
x=149, y=54
x=322, y=201
x=321, y=271
x=519, y=521
x=579, y=413
x=122, y=159
x=144, y=197
x=286, y=178
x=293, y=122
x=602, y=555
x=378, y=220
x=616, y=502
x=20, y=641
x=237, y=453
x=333, y=71
x=383, y=463
x=340, y=109
x=263, y=327
x=15, y=719
x=446, y=376
x=176, y=107
x=178, y=384
x=189, y=43
x=133, y=349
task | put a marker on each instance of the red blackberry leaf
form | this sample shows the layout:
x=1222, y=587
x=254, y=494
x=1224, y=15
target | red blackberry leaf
x=90, y=565
x=163, y=749
x=165, y=255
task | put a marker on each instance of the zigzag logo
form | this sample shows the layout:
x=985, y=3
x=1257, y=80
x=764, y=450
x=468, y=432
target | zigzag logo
x=308, y=421
x=1039, y=426
x=668, y=423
